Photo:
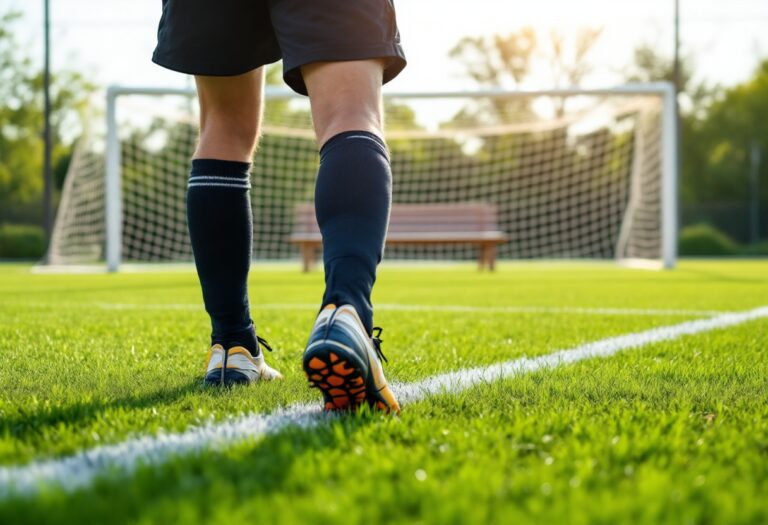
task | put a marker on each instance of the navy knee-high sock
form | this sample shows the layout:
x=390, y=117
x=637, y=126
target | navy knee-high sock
x=221, y=231
x=352, y=202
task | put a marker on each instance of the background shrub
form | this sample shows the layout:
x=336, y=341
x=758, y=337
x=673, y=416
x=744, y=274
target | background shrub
x=20, y=241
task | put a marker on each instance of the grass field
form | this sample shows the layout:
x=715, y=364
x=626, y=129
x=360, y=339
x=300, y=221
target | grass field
x=670, y=432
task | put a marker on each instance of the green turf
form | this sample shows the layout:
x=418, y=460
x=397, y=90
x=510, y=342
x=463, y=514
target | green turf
x=675, y=432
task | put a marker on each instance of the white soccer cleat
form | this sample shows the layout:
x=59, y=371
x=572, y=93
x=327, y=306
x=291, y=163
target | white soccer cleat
x=345, y=363
x=236, y=366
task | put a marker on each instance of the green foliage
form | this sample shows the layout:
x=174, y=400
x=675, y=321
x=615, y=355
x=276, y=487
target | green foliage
x=20, y=120
x=19, y=241
x=759, y=249
x=649, y=65
x=21, y=124
x=704, y=240
x=717, y=155
x=719, y=129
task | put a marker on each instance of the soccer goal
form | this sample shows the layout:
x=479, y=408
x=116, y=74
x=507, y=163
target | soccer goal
x=569, y=173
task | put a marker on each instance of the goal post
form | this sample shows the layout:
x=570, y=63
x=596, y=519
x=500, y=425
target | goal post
x=575, y=173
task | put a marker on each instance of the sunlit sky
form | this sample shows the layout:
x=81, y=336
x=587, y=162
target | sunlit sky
x=112, y=40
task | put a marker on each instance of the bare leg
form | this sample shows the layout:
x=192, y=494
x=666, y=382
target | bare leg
x=345, y=96
x=230, y=115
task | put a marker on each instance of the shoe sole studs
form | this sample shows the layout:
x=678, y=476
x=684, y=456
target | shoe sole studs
x=340, y=381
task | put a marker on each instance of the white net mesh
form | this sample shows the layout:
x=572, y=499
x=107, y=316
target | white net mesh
x=571, y=176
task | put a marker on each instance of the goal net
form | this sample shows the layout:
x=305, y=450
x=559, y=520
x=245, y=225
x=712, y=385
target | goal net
x=571, y=174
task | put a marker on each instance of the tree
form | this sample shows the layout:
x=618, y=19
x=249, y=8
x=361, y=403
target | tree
x=569, y=62
x=21, y=124
x=507, y=62
x=734, y=122
x=497, y=61
x=719, y=127
x=649, y=65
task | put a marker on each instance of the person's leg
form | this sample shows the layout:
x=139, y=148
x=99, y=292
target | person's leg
x=345, y=96
x=218, y=205
x=230, y=115
x=352, y=203
x=354, y=183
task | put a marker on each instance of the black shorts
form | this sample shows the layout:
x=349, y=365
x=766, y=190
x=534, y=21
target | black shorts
x=231, y=37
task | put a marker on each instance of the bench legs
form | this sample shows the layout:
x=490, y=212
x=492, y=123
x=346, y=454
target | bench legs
x=487, y=257
x=307, y=257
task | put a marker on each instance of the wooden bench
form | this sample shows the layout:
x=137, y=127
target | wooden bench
x=413, y=224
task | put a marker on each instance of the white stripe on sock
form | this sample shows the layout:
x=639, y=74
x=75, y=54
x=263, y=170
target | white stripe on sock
x=242, y=186
x=219, y=178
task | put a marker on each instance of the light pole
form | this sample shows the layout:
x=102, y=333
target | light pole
x=676, y=78
x=47, y=138
x=676, y=73
x=754, y=190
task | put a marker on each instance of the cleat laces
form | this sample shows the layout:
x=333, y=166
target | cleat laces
x=263, y=342
x=376, y=339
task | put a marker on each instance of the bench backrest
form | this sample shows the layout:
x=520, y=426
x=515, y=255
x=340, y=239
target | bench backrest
x=421, y=218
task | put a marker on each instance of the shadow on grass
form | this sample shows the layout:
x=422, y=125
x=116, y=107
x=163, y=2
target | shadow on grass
x=27, y=424
x=154, y=494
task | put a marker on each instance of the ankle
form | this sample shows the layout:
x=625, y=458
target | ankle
x=245, y=337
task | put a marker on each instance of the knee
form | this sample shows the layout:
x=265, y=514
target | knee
x=340, y=117
x=230, y=131
x=345, y=97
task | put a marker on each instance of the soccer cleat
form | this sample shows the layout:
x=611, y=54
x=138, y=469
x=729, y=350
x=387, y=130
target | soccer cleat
x=345, y=364
x=236, y=366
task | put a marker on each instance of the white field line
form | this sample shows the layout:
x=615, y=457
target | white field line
x=80, y=470
x=439, y=308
